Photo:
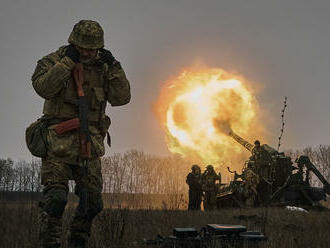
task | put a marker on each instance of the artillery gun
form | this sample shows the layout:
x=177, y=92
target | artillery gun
x=269, y=177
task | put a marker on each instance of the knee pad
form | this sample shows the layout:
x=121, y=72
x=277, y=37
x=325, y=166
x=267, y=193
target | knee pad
x=55, y=201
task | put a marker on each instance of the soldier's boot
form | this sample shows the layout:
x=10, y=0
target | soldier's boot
x=81, y=225
x=50, y=231
x=77, y=242
x=79, y=232
x=52, y=208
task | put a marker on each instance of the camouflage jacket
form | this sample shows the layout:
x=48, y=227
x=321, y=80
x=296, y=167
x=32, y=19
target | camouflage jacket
x=209, y=181
x=194, y=182
x=53, y=81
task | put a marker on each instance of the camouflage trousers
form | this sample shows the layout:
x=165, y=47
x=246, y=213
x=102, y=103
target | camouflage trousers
x=210, y=200
x=195, y=199
x=54, y=177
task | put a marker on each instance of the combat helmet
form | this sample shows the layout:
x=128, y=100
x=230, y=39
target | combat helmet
x=87, y=34
x=209, y=167
x=195, y=166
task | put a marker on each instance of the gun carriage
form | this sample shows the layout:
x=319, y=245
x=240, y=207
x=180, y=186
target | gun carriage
x=269, y=177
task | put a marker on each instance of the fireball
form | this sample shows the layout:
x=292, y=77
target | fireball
x=198, y=107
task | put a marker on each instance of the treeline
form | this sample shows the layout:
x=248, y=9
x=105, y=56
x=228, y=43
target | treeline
x=131, y=172
x=20, y=176
x=136, y=172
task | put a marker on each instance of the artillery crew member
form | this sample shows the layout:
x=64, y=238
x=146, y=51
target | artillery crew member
x=260, y=154
x=195, y=188
x=257, y=150
x=209, y=178
x=262, y=160
x=81, y=70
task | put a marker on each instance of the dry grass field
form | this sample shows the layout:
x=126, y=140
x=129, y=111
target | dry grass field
x=122, y=227
x=154, y=202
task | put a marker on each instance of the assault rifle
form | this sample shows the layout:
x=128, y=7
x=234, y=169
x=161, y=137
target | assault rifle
x=210, y=236
x=85, y=139
x=80, y=123
x=85, y=143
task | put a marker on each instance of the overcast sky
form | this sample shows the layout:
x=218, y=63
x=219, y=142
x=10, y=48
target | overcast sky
x=282, y=46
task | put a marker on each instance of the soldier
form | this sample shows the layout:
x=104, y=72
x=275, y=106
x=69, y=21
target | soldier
x=195, y=188
x=262, y=160
x=104, y=81
x=209, y=178
x=252, y=180
x=257, y=150
x=259, y=153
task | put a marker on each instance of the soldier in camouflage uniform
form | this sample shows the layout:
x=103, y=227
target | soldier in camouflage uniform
x=258, y=175
x=104, y=81
x=195, y=188
x=262, y=160
x=252, y=180
x=209, y=178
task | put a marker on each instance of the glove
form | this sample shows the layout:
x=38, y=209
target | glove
x=106, y=57
x=72, y=53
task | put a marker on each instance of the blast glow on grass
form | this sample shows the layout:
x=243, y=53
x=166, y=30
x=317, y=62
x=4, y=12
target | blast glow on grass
x=193, y=108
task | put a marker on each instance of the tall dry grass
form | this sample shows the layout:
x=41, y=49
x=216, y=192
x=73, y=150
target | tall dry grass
x=122, y=227
x=147, y=195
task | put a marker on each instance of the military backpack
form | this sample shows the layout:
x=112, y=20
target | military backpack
x=36, y=137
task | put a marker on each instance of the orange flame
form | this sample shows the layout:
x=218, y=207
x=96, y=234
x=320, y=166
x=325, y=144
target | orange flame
x=198, y=108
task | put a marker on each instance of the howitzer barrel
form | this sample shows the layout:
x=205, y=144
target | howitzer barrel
x=241, y=141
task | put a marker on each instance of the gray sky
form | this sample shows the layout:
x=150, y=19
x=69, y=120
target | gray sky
x=281, y=45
